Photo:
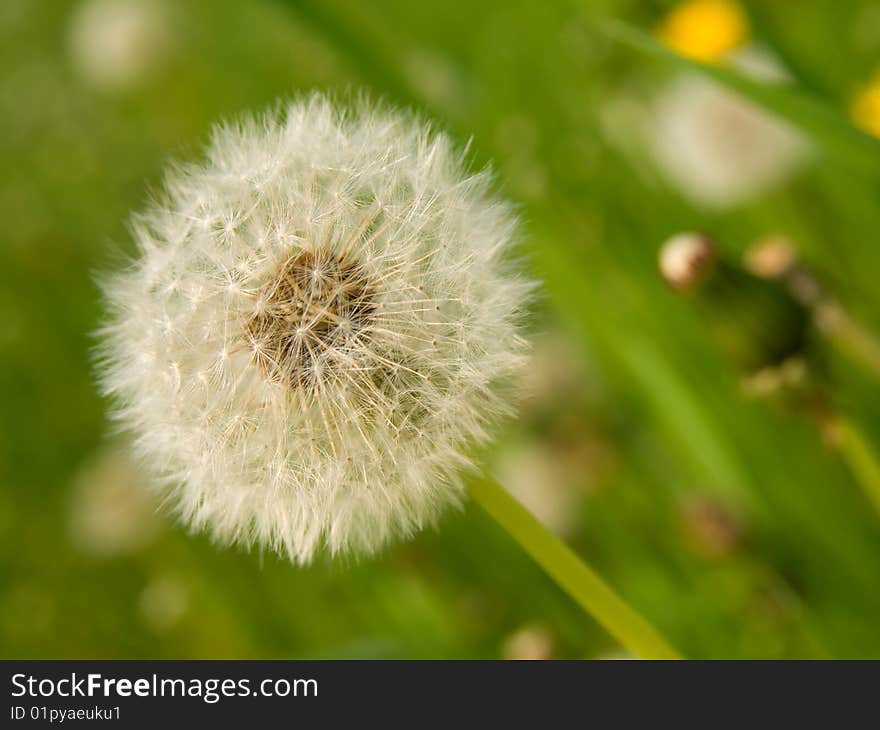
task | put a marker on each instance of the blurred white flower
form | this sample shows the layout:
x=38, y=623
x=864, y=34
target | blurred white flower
x=111, y=512
x=719, y=149
x=530, y=642
x=435, y=77
x=163, y=602
x=115, y=45
x=320, y=321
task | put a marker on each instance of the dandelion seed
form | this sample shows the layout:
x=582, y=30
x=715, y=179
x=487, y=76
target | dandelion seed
x=685, y=259
x=336, y=350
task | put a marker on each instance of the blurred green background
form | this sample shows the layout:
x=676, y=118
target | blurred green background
x=743, y=526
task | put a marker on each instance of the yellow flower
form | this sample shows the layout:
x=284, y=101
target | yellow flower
x=865, y=107
x=705, y=30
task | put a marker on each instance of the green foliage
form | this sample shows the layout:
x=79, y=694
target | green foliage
x=653, y=421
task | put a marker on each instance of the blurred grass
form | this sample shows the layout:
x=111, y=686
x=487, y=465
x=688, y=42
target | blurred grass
x=530, y=84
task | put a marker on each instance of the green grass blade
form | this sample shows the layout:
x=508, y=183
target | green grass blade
x=573, y=575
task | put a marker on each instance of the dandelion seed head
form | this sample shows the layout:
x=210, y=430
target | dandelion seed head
x=323, y=317
x=685, y=259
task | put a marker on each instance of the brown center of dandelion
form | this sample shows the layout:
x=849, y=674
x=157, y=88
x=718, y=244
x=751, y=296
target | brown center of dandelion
x=311, y=316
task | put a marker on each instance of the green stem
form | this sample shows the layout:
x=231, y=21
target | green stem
x=859, y=456
x=577, y=579
x=851, y=337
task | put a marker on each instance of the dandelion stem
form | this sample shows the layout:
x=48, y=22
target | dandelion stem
x=574, y=576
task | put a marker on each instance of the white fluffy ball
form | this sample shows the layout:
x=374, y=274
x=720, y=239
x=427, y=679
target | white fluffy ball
x=319, y=323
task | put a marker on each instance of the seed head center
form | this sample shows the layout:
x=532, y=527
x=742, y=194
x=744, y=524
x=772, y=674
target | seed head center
x=314, y=311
